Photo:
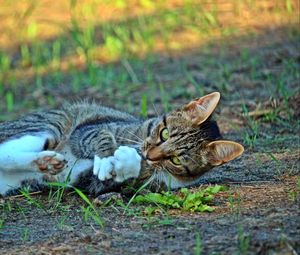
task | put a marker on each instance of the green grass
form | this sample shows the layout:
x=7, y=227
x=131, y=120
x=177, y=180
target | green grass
x=31, y=201
x=185, y=200
x=252, y=132
x=89, y=211
x=105, y=54
x=234, y=200
x=243, y=242
x=25, y=234
x=2, y=224
x=198, y=246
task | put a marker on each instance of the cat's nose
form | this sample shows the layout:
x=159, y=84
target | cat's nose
x=155, y=154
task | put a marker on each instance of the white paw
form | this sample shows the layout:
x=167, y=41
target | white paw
x=50, y=162
x=103, y=168
x=125, y=164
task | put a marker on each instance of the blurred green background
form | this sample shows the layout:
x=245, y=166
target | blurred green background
x=142, y=55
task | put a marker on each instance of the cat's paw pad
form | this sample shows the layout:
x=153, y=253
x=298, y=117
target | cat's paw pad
x=127, y=163
x=103, y=168
x=50, y=162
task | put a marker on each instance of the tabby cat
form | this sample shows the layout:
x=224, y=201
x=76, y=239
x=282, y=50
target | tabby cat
x=101, y=149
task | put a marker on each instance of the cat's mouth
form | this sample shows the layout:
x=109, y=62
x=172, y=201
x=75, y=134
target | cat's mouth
x=149, y=160
x=153, y=156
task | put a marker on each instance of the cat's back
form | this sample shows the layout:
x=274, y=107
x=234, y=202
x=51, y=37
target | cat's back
x=62, y=121
x=34, y=122
x=90, y=112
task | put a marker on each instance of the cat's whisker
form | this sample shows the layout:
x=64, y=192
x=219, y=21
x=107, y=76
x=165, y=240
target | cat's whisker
x=155, y=109
x=152, y=178
x=135, y=135
x=130, y=140
x=155, y=179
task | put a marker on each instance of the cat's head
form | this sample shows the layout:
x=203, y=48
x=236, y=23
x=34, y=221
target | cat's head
x=187, y=143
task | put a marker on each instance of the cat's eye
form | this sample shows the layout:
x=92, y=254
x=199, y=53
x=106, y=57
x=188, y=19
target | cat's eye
x=176, y=161
x=164, y=134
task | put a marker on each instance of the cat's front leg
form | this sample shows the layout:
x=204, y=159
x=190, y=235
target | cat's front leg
x=125, y=164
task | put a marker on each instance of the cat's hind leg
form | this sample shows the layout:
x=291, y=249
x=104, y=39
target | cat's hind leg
x=26, y=154
x=50, y=162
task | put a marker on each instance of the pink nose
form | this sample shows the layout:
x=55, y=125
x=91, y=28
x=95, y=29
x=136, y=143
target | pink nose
x=155, y=154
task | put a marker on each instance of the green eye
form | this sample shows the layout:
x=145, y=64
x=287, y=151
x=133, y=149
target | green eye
x=176, y=161
x=164, y=134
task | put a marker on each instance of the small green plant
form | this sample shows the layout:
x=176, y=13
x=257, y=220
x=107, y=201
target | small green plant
x=294, y=193
x=25, y=192
x=243, y=241
x=61, y=223
x=89, y=211
x=273, y=157
x=2, y=222
x=289, y=6
x=5, y=63
x=6, y=206
x=252, y=131
x=56, y=54
x=84, y=38
x=185, y=199
x=56, y=196
x=144, y=106
x=9, y=97
x=199, y=88
x=25, y=55
x=164, y=97
x=198, y=247
x=25, y=234
x=235, y=204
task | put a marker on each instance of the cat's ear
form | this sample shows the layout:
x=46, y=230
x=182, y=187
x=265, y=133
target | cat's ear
x=220, y=152
x=200, y=109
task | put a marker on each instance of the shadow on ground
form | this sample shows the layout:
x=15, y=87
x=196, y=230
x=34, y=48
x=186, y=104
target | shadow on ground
x=259, y=214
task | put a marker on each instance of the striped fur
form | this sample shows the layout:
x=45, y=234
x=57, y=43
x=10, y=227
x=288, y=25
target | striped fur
x=87, y=129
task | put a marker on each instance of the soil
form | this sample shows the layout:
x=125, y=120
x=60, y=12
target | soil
x=261, y=218
x=259, y=214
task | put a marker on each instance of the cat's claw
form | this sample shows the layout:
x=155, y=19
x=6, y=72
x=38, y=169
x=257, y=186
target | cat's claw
x=125, y=164
x=50, y=162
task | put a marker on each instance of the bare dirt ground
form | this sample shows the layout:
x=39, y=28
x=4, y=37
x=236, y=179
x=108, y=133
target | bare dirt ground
x=260, y=219
x=258, y=214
